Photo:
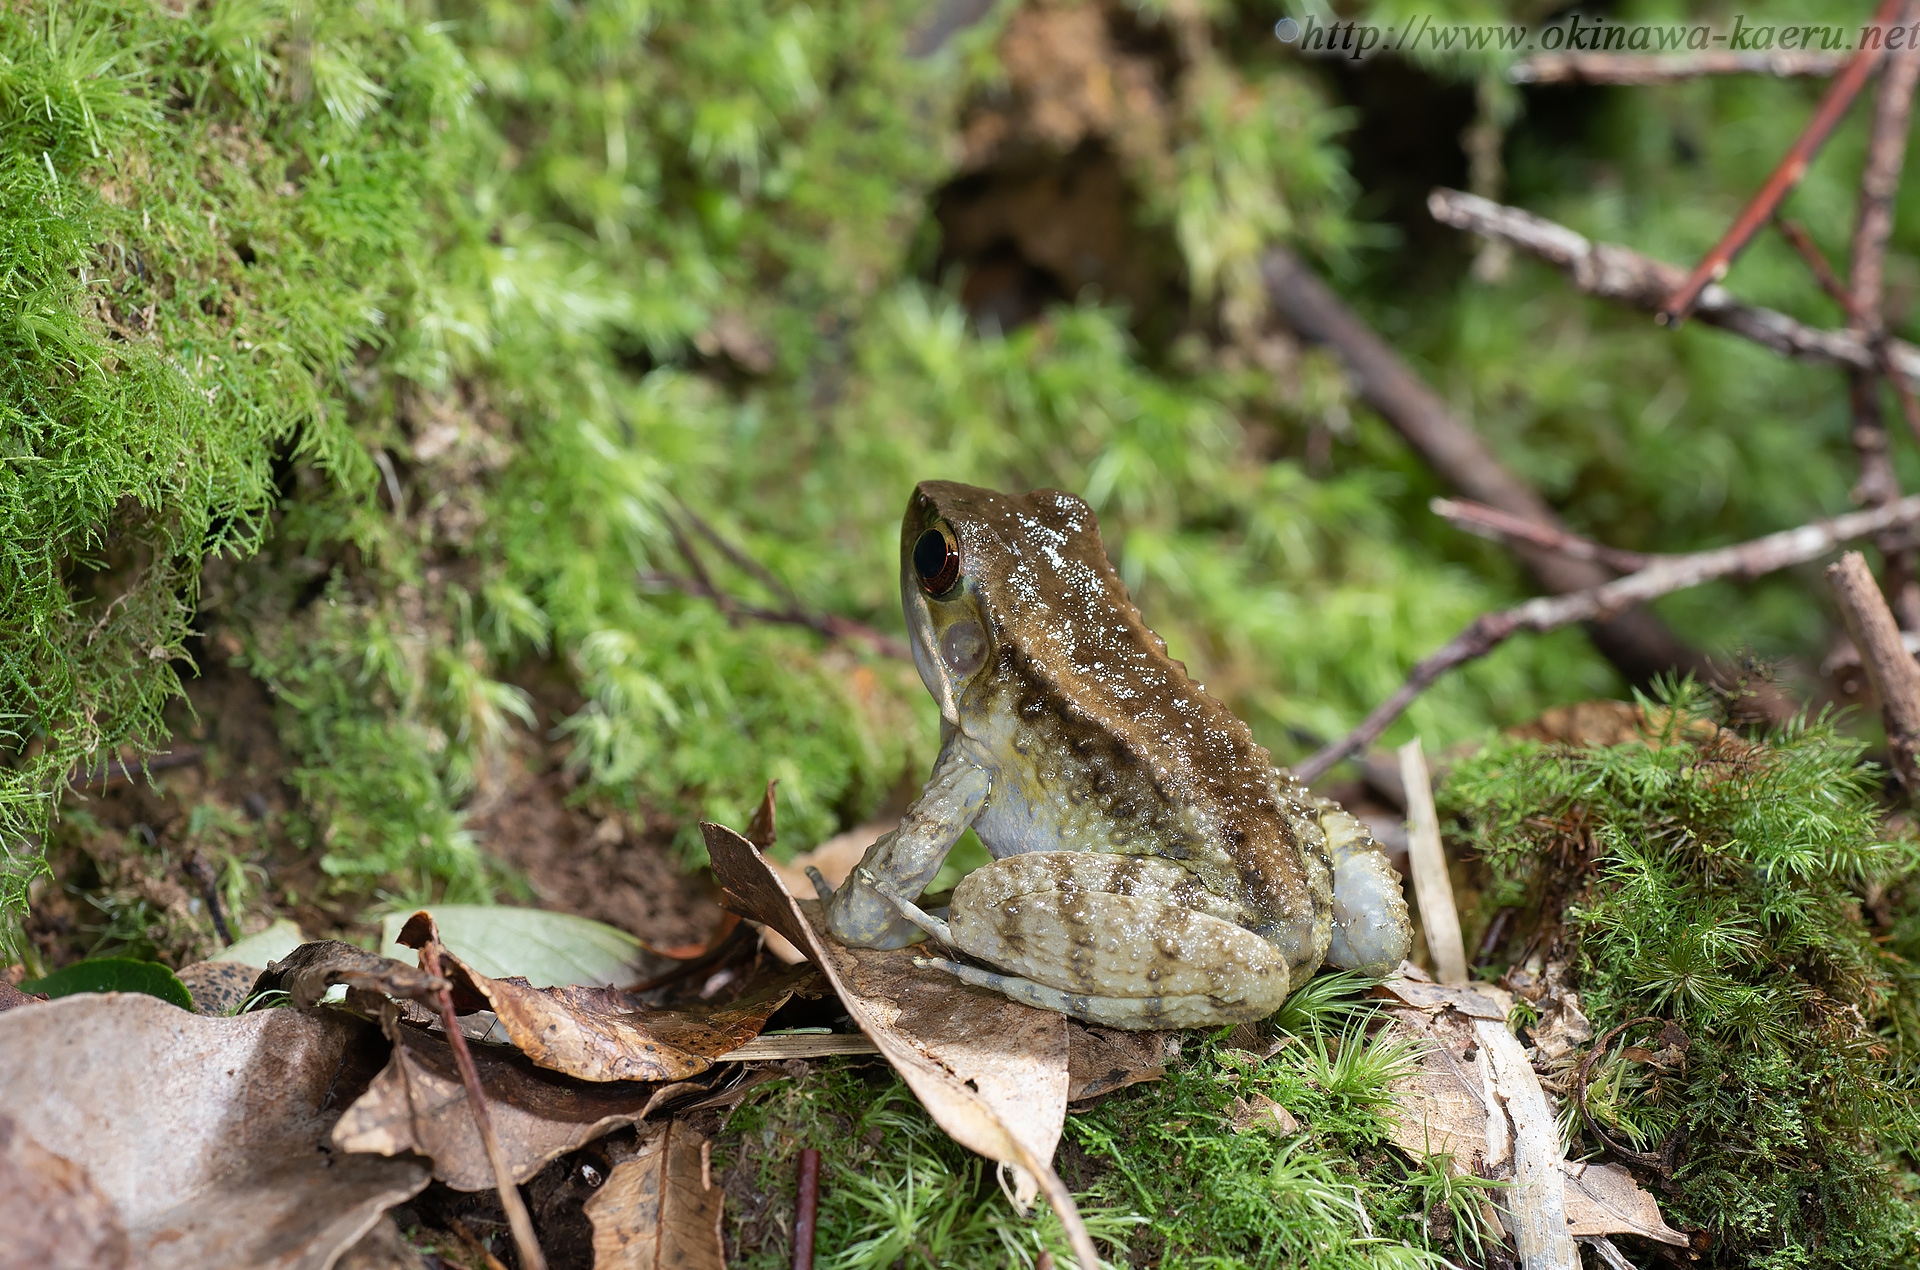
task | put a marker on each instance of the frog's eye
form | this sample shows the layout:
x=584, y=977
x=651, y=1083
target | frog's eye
x=936, y=558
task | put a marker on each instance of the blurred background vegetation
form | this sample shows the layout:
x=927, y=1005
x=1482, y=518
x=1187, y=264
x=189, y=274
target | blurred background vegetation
x=373, y=370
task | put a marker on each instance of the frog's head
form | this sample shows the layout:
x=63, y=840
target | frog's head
x=987, y=576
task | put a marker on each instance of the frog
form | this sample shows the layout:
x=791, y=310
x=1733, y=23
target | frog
x=1151, y=867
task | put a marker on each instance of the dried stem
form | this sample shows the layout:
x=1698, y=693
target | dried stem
x=1613, y=272
x=1637, y=643
x=1666, y=574
x=805, y=1207
x=1890, y=667
x=1839, y=95
x=1491, y=522
x=1655, y=68
x=518, y=1219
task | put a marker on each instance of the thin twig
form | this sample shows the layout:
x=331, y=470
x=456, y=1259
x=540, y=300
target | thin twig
x=518, y=1219
x=1491, y=522
x=1866, y=286
x=1662, y=1161
x=1890, y=667
x=1658, y=68
x=201, y=872
x=114, y=770
x=805, y=1206
x=1666, y=574
x=1638, y=644
x=701, y=584
x=1613, y=272
x=1817, y=264
x=1793, y=165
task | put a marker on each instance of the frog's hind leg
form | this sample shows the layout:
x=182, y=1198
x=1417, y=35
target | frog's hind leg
x=1134, y=1014
x=1123, y=941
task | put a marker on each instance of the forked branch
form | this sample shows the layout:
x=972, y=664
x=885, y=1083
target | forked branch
x=1663, y=576
x=1666, y=68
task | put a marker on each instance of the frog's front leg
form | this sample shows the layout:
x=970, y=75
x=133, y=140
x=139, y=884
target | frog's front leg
x=905, y=860
x=1123, y=941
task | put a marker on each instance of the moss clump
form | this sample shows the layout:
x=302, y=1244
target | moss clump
x=1719, y=883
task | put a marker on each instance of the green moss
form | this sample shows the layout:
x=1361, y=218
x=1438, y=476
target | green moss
x=1719, y=884
x=1162, y=1177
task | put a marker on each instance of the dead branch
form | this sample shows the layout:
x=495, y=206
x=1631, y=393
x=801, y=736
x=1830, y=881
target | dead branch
x=1613, y=272
x=1666, y=574
x=1491, y=522
x=1890, y=667
x=1879, y=182
x=1637, y=643
x=1656, y=68
x=1793, y=165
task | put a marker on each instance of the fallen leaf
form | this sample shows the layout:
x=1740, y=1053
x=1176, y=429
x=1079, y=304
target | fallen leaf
x=541, y=947
x=1258, y=1111
x=309, y=971
x=1475, y=1096
x=1101, y=1060
x=419, y=1104
x=207, y=1136
x=271, y=944
x=11, y=996
x=990, y=1071
x=1603, y=1199
x=56, y=1219
x=602, y=1034
x=661, y=1208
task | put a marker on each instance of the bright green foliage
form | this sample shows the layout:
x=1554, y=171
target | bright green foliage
x=1163, y=1177
x=1718, y=883
x=113, y=974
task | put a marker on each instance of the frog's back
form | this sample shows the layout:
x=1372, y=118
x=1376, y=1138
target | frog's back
x=1085, y=676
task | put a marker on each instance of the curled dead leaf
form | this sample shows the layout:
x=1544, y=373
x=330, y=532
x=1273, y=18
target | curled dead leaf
x=661, y=1208
x=306, y=973
x=419, y=1105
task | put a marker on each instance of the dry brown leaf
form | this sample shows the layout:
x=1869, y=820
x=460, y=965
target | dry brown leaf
x=1101, y=1060
x=208, y=1136
x=603, y=1034
x=1474, y=1095
x=1261, y=1112
x=56, y=1219
x=661, y=1208
x=1603, y=1199
x=310, y=970
x=991, y=1072
x=418, y=1104
x=11, y=996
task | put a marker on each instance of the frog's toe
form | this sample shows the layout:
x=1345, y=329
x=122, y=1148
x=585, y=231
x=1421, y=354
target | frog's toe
x=1371, y=929
x=821, y=887
x=1133, y=1014
x=908, y=909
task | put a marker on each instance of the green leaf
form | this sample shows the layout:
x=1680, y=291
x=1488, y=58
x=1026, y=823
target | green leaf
x=546, y=948
x=271, y=944
x=113, y=974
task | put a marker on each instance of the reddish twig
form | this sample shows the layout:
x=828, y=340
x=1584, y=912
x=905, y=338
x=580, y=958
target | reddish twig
x=1491, y=522
x=1656, y=68
x=518, y=1219
x=1816, y=261
x=805, y=1208
x=1666, y=574
x=1833, y=104
x=1890, y=667
x=1613, y=272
